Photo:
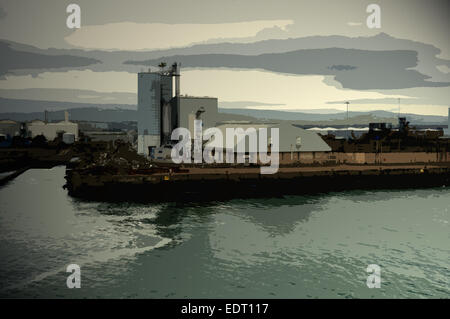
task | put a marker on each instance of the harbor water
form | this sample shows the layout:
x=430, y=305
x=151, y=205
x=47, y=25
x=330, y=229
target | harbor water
x=315, y=246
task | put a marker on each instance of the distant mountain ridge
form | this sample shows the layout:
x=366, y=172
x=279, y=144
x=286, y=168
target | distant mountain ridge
x=303, y=116
x=93, y=114
x=118, y=114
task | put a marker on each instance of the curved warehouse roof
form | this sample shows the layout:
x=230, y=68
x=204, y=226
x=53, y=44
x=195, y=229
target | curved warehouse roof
x=288, y=137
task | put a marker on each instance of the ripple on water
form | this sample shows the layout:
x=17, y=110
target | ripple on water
x=293, y=247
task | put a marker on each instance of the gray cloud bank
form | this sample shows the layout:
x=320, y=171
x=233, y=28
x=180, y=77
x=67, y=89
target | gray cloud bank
x=26, y=57
x=378, y=62
x=354, y=69
x=2, y=13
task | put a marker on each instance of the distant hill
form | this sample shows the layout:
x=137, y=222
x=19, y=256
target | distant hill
x=116, y=113
x=94, y=114
x=36, y=106
x=354, y=117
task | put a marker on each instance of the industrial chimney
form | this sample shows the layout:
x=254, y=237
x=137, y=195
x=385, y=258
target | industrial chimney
x=66, y=116
x=176, y=74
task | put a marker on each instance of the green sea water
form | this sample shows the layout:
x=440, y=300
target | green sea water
x=293, y=247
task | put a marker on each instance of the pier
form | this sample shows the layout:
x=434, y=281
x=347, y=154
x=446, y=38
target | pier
x=224, y=183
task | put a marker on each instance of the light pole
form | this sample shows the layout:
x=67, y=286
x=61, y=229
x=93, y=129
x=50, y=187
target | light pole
x=347, y=118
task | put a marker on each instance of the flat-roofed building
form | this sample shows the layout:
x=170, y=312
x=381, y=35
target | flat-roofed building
x=191, y=108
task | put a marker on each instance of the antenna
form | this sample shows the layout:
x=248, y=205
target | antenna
x=347, y=108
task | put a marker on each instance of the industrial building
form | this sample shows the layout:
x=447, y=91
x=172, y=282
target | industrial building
x=52, y=130
x=295, y=144
x=10, y=128
x=154, y=96
x=161, y=109
x=191, y=108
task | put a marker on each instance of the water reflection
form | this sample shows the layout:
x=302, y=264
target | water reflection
x=291, y=247
x=42, y=230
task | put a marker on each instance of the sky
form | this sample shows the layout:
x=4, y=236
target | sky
x=407, y=58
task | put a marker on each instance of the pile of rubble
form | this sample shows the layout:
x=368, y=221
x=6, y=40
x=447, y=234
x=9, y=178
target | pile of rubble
x=116, y=158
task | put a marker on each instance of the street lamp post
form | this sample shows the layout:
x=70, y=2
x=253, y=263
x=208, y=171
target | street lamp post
x=347, y=118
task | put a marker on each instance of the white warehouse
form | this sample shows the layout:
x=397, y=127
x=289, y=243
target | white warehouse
x=51, y=130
